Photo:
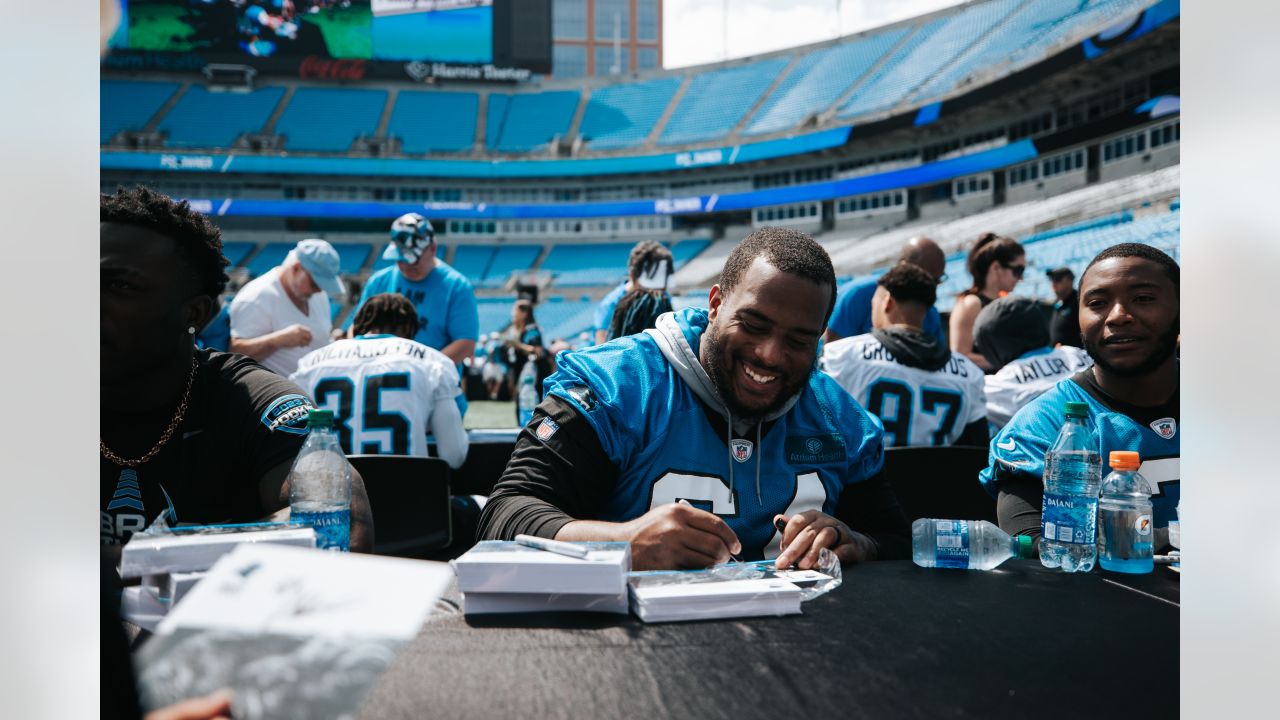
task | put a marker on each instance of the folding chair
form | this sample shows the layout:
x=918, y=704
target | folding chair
x=409, y=498
x=940, y=482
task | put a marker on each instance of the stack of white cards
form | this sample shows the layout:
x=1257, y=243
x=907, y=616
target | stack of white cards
x=723, y=592
x=506, y=577
x=170, y=563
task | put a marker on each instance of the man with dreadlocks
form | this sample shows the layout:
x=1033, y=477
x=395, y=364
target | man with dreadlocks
x=638, y=311
x=700, y=438
x=203, y=436
x=649, y=267
x=387, y=391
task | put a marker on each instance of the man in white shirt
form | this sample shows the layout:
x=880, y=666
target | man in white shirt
x=923, y=393
x=284, y=314
x=387, y=391
x=1013, y=335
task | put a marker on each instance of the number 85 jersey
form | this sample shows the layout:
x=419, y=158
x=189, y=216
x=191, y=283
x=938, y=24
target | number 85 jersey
x=929, y=398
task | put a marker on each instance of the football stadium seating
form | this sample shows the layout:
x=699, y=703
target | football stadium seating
x=347, y=115
x=429, y=122
x=204, y=119
x=523, y=121
x=620, y=116
x=717, y=100
x=130, y=105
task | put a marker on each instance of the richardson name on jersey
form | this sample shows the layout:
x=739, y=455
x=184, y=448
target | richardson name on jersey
x=877, y=351
x=358, y=351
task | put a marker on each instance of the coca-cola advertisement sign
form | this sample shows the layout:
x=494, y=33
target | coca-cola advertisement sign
x=318, y=68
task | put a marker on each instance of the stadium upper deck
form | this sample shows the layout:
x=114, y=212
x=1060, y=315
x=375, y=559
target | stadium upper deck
x=906, y=68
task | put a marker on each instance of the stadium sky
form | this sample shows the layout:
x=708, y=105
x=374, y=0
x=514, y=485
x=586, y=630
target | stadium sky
x=694, y=29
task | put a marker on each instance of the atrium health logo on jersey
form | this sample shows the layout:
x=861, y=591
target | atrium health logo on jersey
x=1165, y=427
x=741, y=449
x=288, y=413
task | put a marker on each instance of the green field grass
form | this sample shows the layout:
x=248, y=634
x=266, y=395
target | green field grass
x=489, y=414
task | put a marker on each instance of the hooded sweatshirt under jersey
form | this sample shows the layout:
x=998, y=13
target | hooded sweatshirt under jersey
x=637, y=423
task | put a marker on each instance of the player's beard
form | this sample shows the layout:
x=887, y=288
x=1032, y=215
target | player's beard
x=1166, y=346
x=720, y=377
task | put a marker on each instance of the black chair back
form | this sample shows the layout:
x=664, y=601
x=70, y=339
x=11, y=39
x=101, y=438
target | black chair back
x=940, y=482
x=409, y=498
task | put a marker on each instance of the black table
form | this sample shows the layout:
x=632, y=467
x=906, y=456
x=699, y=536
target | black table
x=894, y=640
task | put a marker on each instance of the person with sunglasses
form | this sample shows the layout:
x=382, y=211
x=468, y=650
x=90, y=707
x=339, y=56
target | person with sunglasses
x=997, y=264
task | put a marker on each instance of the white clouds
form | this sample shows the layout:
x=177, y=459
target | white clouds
x=695, y=33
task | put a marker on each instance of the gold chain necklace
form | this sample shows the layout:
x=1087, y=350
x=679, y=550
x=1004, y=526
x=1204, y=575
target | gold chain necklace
x=168, y=432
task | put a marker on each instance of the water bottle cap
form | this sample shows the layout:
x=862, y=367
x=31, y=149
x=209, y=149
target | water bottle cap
x=1124, y=460
x=1077, y=409
x=319, y=418
x=1026, y=547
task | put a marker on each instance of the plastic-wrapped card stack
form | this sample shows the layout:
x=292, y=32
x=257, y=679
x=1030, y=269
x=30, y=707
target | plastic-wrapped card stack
x=506, y=577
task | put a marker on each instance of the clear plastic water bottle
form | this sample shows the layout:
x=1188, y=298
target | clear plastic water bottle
x=527, y=395
x=965, y=544
x=1069, y=517
x=320, y=485
x=1124, y=517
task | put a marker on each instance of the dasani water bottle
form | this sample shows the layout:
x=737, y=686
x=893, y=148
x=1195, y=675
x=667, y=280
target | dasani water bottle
x=320, y=485
x=965, y=544
x=1072, y=473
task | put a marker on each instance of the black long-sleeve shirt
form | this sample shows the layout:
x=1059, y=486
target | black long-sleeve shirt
x=549, y=483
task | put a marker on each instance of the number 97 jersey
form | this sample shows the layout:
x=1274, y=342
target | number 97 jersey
x=917, y=406
x=382, y=390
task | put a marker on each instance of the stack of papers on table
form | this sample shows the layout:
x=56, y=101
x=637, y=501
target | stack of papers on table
x=506, y=577
x=729, y=591
x=266, y=616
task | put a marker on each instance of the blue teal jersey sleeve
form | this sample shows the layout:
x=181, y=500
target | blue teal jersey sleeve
x=1020, y=446
x=532, y=336
x=863, y=434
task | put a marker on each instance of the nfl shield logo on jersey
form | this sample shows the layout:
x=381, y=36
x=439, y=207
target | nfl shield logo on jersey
x=1165, y=427
x=741, y=450
x=546, y=429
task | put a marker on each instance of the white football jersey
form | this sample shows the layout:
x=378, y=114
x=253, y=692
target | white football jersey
x=1022, y=380
x=381, y=389
x=916, y=406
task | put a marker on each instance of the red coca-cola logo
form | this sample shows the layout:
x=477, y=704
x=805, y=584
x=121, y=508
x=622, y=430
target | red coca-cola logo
x=318, y=68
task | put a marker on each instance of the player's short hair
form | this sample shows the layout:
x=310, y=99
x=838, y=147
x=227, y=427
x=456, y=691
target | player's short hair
x=987, y=250
x=1138, y=250
x=647, y=254
x=790, y=251
x=199, y=241
x=638, y=311
x=387, y=312
x=910, y=283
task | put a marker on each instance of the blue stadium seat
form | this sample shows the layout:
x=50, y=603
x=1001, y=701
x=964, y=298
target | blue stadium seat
x=434, y=121
x=819, y=79
x=472, y=261
x=129, y=105
x=206, y=119
x=236, y=252
x=352, y=256
x=717, y=100
x=581, y=265
x=495, y=313
x=1034, y=27
x=523, y=121
x=930, y=49
x=687, y=250
x=330, y=119
x=271, y=255
x=564, y=320
x=619, y=116
x=508, y=259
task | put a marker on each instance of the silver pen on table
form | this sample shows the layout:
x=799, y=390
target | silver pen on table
x=555, y=546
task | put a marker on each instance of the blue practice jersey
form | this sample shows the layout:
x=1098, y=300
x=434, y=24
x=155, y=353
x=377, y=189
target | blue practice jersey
x=655, y=429
x=1019, y=448
x=852, y=313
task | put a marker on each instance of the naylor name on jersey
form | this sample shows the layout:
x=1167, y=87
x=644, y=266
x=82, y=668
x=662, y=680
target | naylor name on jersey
x=877, y=351
x=1045, y=367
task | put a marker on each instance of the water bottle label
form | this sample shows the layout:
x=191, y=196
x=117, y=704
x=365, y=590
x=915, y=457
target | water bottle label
x=952, y=544
x=1070, y=519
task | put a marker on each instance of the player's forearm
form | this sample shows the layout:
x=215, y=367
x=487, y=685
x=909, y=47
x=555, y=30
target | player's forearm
x=593, y=531
x=459, y=350
x=451, y=438
x=361, y=516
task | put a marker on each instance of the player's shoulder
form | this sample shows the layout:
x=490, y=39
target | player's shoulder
x=967, y=369
x=382, y=279
x=237, y=382
x=250, y=291
x=1046, y=409
x=848, y=346
x=454, y=279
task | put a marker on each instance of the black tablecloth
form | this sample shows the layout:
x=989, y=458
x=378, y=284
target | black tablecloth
x=894, y=640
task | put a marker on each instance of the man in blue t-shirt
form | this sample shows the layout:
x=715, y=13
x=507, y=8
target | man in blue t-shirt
x=852, y=314
x=650, y=265
x=1129, y=322
x=711, y=435
x=448, y=320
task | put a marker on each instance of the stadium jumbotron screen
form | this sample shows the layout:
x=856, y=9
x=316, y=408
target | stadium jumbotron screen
x=391, y=31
